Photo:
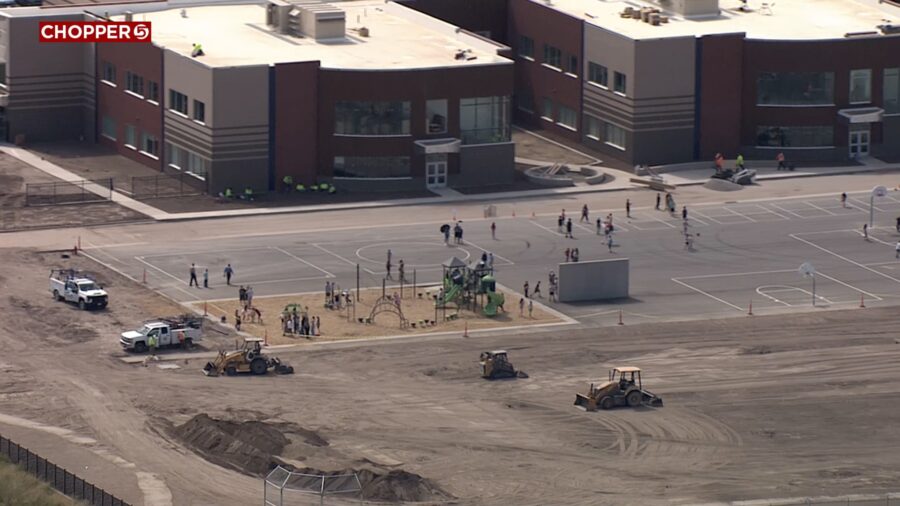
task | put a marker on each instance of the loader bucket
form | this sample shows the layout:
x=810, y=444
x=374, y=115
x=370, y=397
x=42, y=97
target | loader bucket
x=653, y=401
x=585, y=402
x=210, y=369
x=284, y=369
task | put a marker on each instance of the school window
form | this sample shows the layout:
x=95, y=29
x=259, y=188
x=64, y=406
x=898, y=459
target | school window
x=572, y=65
x=436, y=115
x=375, y=167
x=372, y=118
x=150, y=145
x=484, y=120
x=134, y=83
x=892, y=91
x=109, y=72
x=567, y=117
x=860, y=86
x=196, y=165
x=552, y=56
x=795, y=136
x=525, y=101
x=153, y=91
x=597, y=74
x=526, y=47
x=593, y=127
x=615, y=136
x=619, y=82
x=795, y=88
x=547, y=109
x=199, y=111
x=130, y=136
x=178, y=102
x=174, y=156
x=108, y=128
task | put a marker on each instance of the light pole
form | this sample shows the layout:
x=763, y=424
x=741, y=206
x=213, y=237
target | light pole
x=808, y=271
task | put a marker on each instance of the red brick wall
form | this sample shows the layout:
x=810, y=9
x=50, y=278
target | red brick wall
x=720, y=95
x=296, y=117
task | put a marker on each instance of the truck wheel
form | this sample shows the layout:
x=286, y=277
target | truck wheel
x=258, y=366
x=81, y=304
x=607, y=403
x=188, y=343
x=634, y=398
x=56, y=295
x=140, y=347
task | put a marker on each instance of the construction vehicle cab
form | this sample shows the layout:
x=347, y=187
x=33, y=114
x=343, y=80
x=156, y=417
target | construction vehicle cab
x=622, y=388
x=496, y=364
x=248, y=358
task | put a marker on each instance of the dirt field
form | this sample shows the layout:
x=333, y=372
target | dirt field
x=337, y=326
x=755, y=407
x=14, y=215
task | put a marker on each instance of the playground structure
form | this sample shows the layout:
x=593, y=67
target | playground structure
x=469, y=287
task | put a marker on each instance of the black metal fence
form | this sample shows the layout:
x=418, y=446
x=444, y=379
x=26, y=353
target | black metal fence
x=166, y=185
x=68, y=192
x=57, y=477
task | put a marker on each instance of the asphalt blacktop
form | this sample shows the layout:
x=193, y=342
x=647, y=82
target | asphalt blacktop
x=618, y=180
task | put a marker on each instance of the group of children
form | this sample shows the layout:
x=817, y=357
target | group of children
x=300, y=323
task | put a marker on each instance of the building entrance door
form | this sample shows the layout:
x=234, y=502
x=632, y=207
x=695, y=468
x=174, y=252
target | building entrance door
x=859, y=143
x=436, y=174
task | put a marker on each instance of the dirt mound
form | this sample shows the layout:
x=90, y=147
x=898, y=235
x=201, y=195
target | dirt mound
x=245, y=446
x=388, y=486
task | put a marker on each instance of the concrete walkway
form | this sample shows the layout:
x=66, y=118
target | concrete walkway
x=620, y=181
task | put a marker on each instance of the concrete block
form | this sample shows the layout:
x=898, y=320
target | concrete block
x=593, y=280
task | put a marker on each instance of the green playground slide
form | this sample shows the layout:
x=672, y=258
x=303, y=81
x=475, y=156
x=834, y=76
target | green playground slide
x=495, y=300
x=451, y=292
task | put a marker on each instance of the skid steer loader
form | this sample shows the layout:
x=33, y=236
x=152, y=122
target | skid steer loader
x=496, y=365
x=248, y=358
x=624, y=388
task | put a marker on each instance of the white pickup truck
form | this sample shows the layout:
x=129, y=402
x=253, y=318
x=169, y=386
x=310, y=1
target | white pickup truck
x=169, y=333
x=71, y=286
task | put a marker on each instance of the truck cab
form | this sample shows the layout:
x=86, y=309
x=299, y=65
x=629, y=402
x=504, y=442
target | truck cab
x=167, y=334
x=71, y=287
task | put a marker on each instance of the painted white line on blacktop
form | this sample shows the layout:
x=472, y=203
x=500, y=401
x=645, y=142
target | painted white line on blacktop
x=860, y=290
x=761, y=290
x=334, y=254
x=177, y=280
x=496, y=256
x=732, y=211
x=295, y=257
x=865, y=205
x=117, y=245
x=707, y=294
x=727, y=274
x=776, y=206
x=201, y=252
x=771, y=211
x=666, y=223
x=710, y=218
x=838, y=255
x=548, y=229
x=819, y=208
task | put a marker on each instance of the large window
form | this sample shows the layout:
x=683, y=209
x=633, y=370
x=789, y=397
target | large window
x=615, y=136
x=860, y=86
x=795, y=88
x=484, y=120
x=178, y=102
x=199, y=111
x=552, y=56
x=598, y=75
x=153, y=91
x=568, y=118
x=179, y=158
x=109, y=72
x=134, y=83
x=130, y=136
x=526, y=47
x=371, y=118
x=149, y=145
x=436, y=116
x=619, y=85
x=795, y=137
x=593, y=127
x=572, y=65
x=108, y=128
x=892, y=91
x=371, y=166
x=196, y=166
x=525, y=101
x=175, y=156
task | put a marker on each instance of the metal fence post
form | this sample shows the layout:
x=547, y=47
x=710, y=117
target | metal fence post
x=156, y=187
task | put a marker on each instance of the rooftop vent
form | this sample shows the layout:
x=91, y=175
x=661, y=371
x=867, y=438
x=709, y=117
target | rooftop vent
x=311, y=19
x=886, y=29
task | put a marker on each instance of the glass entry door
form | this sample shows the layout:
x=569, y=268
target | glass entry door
x=859, y=143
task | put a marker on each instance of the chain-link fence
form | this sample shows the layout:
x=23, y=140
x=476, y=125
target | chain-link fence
x=57, y=477
x=166, y=185
x=68, y=192
x=287, y=488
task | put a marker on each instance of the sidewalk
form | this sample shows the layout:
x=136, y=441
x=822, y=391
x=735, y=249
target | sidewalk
x=620, y=181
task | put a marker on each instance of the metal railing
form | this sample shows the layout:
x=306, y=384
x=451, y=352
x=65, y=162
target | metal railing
x=166, y=185
x=68, y=192
x=57, y=477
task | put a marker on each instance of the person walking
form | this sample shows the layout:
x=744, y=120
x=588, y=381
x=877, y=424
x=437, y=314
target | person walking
x=609, y=242
x=205, y=277
x=897, y=250
x=193, y=281
x=568, y=254
x=490, y=261
x=525, y=289
x=866, y=231
x=600, y=226
x=237, y=320
x=390, y=255
x=242, y=295
x=494, y=230
x=401, y=270
x=575, y=254
x=521, y=307
x=151, y=343
x=584, y=214
x=628, y=208
x=569, y=229
x=537, y=290
x=249, y=296
x=684, y=214
x=228, y=273
x=739, y=162
x=844, y=199
x=560, y=223
x=658, y=199
x=780, y=159
x=387, y=267
x=530, y=308
x=552, y=292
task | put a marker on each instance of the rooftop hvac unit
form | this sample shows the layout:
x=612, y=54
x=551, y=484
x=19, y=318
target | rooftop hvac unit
x=886, y=29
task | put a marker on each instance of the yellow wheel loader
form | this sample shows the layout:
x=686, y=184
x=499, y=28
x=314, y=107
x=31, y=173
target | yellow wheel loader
x=496, y=365
x=623, y=388
x=249, y=358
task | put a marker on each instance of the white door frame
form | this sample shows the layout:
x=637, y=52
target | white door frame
x=860, y=143
x=436, y=174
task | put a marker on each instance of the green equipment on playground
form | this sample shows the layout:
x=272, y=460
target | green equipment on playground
x=495, y=299
x=463, y=284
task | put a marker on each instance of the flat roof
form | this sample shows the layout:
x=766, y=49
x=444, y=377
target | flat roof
x=782, y=20
x=399, y=38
